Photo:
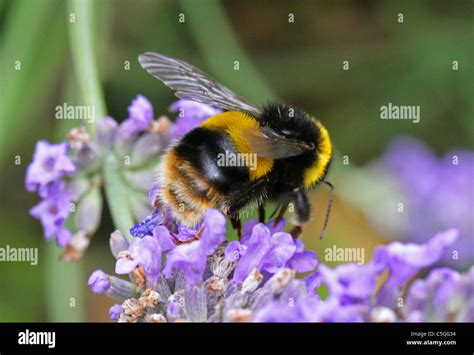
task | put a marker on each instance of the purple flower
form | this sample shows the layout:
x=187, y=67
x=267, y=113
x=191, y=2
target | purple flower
x=114, y=312
x=50, y=163
x=141, y=111
x=352, y=287
x=77, y=165
x=301, y=309
x=350, y=283
x=331, y=310
x=248, y=228
x=63, y=236
x=140, y=117
x=144, y=252
x=254, y=280
x=302, y=260
x=313, y=281
x=291, y=301
x=264, y=252
x=99, y=281
x=145, y=228
x=52, y=212
x=405, y=260
x=234, y=250
x=444, y=295
x=191, y=257
x=429, y=184
x=190, y=115
x=164, y=238
x=267, y=248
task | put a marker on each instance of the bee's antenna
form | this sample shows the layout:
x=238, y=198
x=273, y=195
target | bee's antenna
x=328, y=212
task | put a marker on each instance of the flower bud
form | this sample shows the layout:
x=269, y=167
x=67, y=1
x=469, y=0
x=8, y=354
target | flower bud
x=124, y=138
x=89, y=211
x=87, y=157
x=114, y=311
x=120, y=289
x=141, y=180
x=99, y=281
x=77, y=187
x=146, y=147
x=105, y=132
x=118, y=243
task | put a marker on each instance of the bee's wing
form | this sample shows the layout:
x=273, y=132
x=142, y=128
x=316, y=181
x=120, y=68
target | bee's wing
x=267, y=143
x=191, y=83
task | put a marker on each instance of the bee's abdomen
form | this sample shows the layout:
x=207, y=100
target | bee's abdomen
x=184, y=190
x=191, y=179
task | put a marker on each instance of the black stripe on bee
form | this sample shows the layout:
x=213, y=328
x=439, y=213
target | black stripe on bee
x=201, y=147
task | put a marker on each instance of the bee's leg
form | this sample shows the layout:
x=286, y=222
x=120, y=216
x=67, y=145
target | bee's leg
x=156, y=206
x=303, y=212
x=283, y=209
x=261, y=213
x=242, y=195
x=296, y=231
x=196, y=236
x=236, y=224
x=274, y=212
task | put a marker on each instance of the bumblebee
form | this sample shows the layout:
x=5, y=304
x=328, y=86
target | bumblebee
x=291, y=153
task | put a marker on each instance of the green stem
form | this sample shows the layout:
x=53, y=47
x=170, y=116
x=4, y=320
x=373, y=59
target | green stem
x=83, y=48
x=81, y=34
x=115, y=191
x=65, y=292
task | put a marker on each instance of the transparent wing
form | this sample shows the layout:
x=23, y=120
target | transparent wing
x=191, y=83
x=265, y=142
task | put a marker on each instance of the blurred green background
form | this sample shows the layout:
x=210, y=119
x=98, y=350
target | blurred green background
x=408, y=63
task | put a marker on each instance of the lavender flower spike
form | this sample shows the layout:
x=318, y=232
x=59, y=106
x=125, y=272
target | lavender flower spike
x=405, y=260
x=50, y=163
x=144, y=252
x=52, y=212
x=192, y=257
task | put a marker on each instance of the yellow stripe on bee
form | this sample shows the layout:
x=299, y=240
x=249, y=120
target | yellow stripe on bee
x=315, y=173
x=234, y=124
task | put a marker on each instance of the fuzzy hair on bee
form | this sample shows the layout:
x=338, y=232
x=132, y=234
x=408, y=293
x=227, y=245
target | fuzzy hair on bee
x=290, y=152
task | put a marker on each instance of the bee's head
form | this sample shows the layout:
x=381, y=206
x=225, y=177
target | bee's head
x=290, y=122
x=296, y=124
